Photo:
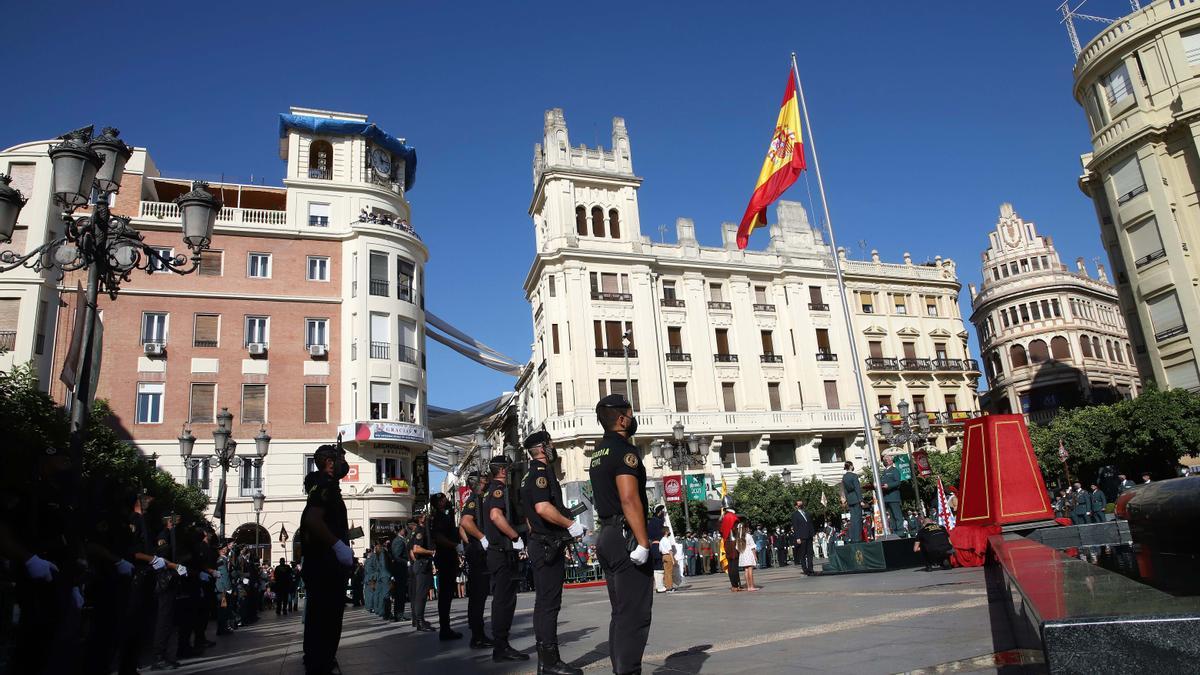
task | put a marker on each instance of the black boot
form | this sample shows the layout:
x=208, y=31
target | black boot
x=550, y=663
x=504, y=652
x=482, y=641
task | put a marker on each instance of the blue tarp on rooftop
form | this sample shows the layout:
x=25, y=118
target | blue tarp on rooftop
x=324, y=125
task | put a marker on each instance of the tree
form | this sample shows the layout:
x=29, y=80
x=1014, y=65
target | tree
x=697, y=511
x=769, y=501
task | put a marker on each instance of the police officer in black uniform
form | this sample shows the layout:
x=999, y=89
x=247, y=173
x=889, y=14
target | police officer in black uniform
x=445, y=543
x=619, y=485
x=477, y=574
x=421, y=553
x=503, y=547
x=327, y=559
x=550, y=533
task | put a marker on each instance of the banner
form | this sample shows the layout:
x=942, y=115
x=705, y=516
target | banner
x=697, y=488
x=905, y=467
x=921, y=459
x=420, y=481
x=464, y=493
x=673, y=488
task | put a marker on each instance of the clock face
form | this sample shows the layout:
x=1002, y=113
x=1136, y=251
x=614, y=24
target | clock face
x=381, y=161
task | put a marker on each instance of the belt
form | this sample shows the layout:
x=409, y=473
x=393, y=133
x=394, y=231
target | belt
x=612, y=521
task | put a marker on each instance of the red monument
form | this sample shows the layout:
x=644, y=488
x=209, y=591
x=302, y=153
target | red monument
x=1000, y=482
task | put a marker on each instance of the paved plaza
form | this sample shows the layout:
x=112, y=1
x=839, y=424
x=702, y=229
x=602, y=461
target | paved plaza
x=893, y=622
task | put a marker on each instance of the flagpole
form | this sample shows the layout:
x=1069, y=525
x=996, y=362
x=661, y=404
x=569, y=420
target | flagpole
x=872, y=452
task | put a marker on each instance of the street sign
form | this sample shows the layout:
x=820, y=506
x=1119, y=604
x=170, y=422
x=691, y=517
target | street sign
x=904, y=464
x=695, y=487
x=673, y=488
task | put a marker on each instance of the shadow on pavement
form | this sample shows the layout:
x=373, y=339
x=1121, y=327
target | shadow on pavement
x=689, y=660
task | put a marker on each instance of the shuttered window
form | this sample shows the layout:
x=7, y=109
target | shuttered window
x=727, y=393
x=722, y=340
x=254, y=403
x=554, y=336
x=910, y=350
x=1117, y=85
x=204, y=394
x=675, y=339
x=1145, y=242
x=315, y=403
x=876, y=348
x=1183, y=376
x=681, y=397
x=558, y=397
x=1127, y=180
x=831, y=395
x=206, y=332
x=210, y=263
x=1191, y=47
x=773, y=395
x=1166, y=316
x=10, y=314
x=768, y=343
x=814, y=295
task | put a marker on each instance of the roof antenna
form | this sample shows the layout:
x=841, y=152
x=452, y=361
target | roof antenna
x=1069, y=16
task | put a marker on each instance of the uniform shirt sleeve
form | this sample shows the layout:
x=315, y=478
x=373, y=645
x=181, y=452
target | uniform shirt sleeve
x=538, y=486
x=626, y=463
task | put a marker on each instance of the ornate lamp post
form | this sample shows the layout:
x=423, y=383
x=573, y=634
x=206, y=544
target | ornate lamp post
x=100, y=242
x=902, y=433
x=224, y=452
x=681, y=452
x=258, y=500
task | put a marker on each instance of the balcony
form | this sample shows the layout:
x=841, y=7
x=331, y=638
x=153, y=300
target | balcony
x=169, y=212
x=378, y=287
x=915, y=364
x=195, y=343
x=826, y=356
x=678, y=356
x=717, y=304
x=612, y=297
x=1147, y=259
x=708, y=423
x=671, y=302
x=725, y=358
x=320, y=174
x=882, y=364
x=1170, y=333
x=970, y=365
x=770, y=358
x=615, y=353
x=380, y=350
x=947, y=364
x=763, y=307
x=818, y=306
x=407, y=354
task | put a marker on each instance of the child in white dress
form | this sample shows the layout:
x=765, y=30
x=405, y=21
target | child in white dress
x=747, y=554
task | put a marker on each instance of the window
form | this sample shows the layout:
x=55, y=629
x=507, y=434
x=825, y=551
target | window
x=406, y=341
x=558, y=398
x=316, y=403
x=901, y=302
x=1016, y=354
x=1045, y=309
x=316, y=332
x=405, y=273
x=876, y=349
x=823, y=341
x=614, y=224
x=951, y=403
x=831, y=395
x=760, y=295
x=1038, y=352
x=254, y=403
x=996, y=273
x=773, y=396
x=728, y=396
x=1117, y=85
x=768, y=343
x=197, y=476
x=597, y=221
x=39, y=319
x=1145, y=243
x=581, y=227
x=815, y=296
x=939, y=351
x=1024, y=312
x=1060, y=349
x=259, y=266
x=354, y=274
x=318, y=268
x=866, y=301
x=1096, y=348
x=1033, y=311
x=1166, y=316
x=781, y=452
x=154, y=328
x=722, y=335
x=203, y=403
x=320, y=160
x=206, y=330
x=159, y=257
x=149, y=402
x=408, y=404
x=918, y=403
x=735, y=453
x=681, y=397
x=674, y=340
x=354, y=400
x=387, y=468
x=1034, y=262
x=885, y=401
x=251, y=482
x=1085, y=346
x=377, y=284
x=669, y=290
x=258, y=330
x=931, y=308
x=618, y=387
x=318, y=214
x=1191, y=47
x=380, y=400
x=550, y=285
x=1182, y=376
x=832, y=451
x=380, y=337
x=910, y=350
x=715, y=293
x=1127, y=180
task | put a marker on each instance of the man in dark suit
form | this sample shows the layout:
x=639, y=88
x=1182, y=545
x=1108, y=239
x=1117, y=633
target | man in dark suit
x=1097, y=500
x=890, y=481
x=802, y=534
x=852, y=499
x=1080, y=503
x=1123, y=484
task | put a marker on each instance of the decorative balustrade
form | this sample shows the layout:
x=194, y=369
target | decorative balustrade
x=168, y=211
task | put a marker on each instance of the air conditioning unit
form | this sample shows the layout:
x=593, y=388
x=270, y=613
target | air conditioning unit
x=257, y=348
x=317, y=350
x=153, y=348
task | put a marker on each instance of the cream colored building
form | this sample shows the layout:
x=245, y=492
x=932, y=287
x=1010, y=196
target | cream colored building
x=746, y=347
x=1050, y=337
x=1137, y=82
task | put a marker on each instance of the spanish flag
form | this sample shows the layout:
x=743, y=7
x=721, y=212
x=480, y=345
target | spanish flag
x=784, y=162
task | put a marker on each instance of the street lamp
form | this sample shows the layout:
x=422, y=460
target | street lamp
x=681, y=452
x=900, y=433
x=258, y=500
x=100, y=242
x=626, y=343
x=224, y=452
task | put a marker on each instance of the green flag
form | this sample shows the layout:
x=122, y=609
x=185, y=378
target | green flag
x=905, y=465
x=695, y=487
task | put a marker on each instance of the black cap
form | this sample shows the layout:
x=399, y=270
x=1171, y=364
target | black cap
x=474, y=475
x=328, y=450
x=500, y=460
x=614, y=401
x=535, y=439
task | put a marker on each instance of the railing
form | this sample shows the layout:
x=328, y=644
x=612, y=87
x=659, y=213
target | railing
x=725, y=358
x=407, y=354
x=1147, y=259
x=763, y=307
x=678, y=356
x=204, y=343
x=404, y=292
x=893, y=269
x=380, y=350
x=1170, y=333
x=826, y=356
x=718, y=304
x=770, y=358
x=915, y=364
x=147, y=340
x=318, y=221
x=882, y=364
x=1131, y=194
x=615, y=353
x=320, y=174
x=229, y=214
x=8, y=340
x=671, y=302
x=970, y=365
x=378, y=287
x=612, y=297
x=947, y=364
x=659, y=424
x=818, y=306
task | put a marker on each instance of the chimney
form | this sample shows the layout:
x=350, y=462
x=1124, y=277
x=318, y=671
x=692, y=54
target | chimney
x=685, y=232
x=729, y=235
x=1101, y=273
x=1081, y=267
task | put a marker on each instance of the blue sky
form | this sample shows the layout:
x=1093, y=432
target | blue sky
x=927, y=115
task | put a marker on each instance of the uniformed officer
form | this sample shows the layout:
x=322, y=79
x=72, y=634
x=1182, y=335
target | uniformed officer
x=619, y=486
x=327, y=559
x=890, y=481
x=476, y=555
x=852, y=498
x=550, y=532
x=503, y=546
x=398, y=567
x=421, y=554
x=445, y=544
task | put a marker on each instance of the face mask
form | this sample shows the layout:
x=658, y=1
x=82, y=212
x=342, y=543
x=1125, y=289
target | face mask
x=551, y=454
x=341, y=469
x=632, y=428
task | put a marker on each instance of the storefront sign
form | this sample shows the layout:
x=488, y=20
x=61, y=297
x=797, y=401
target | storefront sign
x=387, y=431
x=351, y=477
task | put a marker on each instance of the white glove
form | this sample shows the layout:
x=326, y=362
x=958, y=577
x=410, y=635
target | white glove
x=181, y=570
x=518, y=545
x=158, y=563
x=204, y=576
x=77, y=597
x=575, y=530
x=344, y=556
x=245, y=582
x=639, y=555
x=124, y=567
x=40, y=570
x=484, y=543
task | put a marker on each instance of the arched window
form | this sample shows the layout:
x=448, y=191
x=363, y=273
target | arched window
x=1096, y=348
x=614, y=224
x=581, y=221
x=1108, y=343
x=1085, y=346
x=1038, y=353
x=1117, y=352
x=1060, y=349
x=320, y=160
x=1016, y=354
x=1129, y=353
x=597, y=221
